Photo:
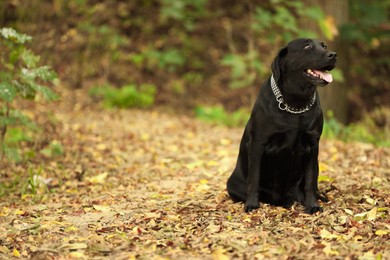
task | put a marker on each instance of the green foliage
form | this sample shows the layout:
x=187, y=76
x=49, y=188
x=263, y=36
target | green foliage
x=127, y=96
x=34, y=186
x=55, y=148
x=218, y=115
x=245, y=68
x=20, y=76
x=365, y=131
x=277, y=25
x=185, y=11
x=368, y=21
x=169, y=60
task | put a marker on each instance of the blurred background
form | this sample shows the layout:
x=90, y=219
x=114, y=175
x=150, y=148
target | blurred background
x=208, y=57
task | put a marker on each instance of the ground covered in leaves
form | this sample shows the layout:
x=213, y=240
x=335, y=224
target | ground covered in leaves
x=151, y=185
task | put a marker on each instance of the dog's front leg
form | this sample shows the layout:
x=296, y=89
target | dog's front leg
x=310, y=189
x=255, y=154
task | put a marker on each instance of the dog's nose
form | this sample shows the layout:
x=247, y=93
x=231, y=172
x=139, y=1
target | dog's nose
x=331, y=55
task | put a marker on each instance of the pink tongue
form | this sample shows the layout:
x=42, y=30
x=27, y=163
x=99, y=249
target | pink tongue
x=326, y=76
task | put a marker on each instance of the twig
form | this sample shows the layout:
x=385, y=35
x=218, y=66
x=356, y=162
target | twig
x=4, y=129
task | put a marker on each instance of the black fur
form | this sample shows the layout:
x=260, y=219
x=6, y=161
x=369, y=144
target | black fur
x=278, y=156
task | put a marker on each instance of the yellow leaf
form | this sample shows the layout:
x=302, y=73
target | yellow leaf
x=152, y=215
x=327, y=235
x=371, y=215
x=4, y=212
x=15, y=253
x=77, y=254
x=328, y=249
x=27, y=196
x=329, y=27
x=203, y=185
x=212, y=163
x=174, y=217
x=101, y=147
x=102, y=208
x=370, y=200
x=100, y=178
x=19, y=212
x=219, y=254
x=247, y=220
x=194, y=165
x=324, y=178
x=203, y=181
x=71, y=228
x=381, y=232
x=145, y=137
x=375, y=43
x=323, y=167
x=348, y=211
x=225, y=141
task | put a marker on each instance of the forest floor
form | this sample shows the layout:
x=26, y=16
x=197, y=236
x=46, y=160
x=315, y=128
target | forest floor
x=135, y=184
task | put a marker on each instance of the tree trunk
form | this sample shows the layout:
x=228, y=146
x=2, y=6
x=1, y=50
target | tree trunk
x=334, y=96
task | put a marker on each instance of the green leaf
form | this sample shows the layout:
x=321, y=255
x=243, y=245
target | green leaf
x=338, y=75
x=12, y=35
x=324, y=178
x=16, y=135
x=47, y=93
x=55, y=148
x=237, y=63
x=29, y=58
x=44, y=73
x=11, y=153
x=7, y=91
x=314, y=12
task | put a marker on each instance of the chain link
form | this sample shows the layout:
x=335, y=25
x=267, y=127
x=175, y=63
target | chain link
x=284, y=106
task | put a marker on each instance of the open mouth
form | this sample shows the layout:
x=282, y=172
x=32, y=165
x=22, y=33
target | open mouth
x=320, y=74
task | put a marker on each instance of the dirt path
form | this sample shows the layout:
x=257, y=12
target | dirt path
x=144, y=184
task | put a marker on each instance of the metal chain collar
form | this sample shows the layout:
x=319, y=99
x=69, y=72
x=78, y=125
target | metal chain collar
x=284, y=106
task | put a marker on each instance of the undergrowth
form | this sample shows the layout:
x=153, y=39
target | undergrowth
x=125, y=97
x=373, y=128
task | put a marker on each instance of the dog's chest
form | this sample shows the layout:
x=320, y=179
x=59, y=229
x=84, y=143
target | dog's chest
x=294, y=141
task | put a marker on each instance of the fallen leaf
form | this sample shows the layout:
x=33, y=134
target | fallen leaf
x=98, y=179
x=15, y=253
x=327, y=235
x=219, y=254
x=74, y=246
x=102, y=208
x=328, y=250
x=371, y=215
x=381, y=232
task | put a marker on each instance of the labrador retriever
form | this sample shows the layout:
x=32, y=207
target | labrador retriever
x=278, y=156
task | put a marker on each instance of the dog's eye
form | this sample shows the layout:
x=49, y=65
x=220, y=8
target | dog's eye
x=308, y=47
x=324, y=46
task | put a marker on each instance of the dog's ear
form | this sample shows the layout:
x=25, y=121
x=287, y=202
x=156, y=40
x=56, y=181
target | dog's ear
x=277, y=65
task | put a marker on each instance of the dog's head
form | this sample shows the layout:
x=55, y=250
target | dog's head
x=304, y=60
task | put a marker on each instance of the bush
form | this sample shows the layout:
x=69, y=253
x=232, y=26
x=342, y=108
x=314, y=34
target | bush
x=374, y=128
x=127, y=96
x=218, y=115
x=20, y=77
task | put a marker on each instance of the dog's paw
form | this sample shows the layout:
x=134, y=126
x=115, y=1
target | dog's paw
x=313, y=210
x=323, y=197
x=251, y=206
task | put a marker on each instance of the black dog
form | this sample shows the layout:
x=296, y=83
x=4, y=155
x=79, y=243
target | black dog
x=278, y=157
